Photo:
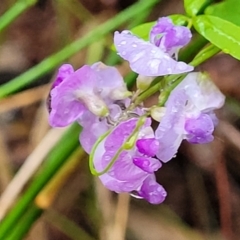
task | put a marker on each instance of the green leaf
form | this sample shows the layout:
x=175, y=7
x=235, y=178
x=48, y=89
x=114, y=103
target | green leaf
x=227, y=10
x=143, y=30
x=223, y=34
x=194, y=7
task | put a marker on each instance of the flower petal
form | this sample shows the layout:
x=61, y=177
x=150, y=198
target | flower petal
x=202, y=92
x=167, y=36
x=66, y=107
x=124, y=175
x=148, y=146
x=145, y=58
x=63, y=72
x=110, y=81
x=200, y=129
x=147, y=164
x=170, y=131
x=152, y=191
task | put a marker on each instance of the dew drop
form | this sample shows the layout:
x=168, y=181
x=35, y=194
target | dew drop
x=169, y=70
x=164, y=194
x=123, y=42
x=134, y=45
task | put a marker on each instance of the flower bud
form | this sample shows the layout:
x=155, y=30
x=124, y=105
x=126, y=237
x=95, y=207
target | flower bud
x=157, y=113
x=144, y=82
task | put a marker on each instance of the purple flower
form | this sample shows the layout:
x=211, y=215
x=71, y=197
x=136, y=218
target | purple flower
x=154, y=58
x=94, y=127
x=168, y=37
x=189, y=115
x=133, y=170
x=90, y=88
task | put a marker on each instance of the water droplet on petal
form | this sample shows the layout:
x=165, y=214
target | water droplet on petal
x=123, y=53
x=169, y=70
x=134, y=45
x=123, y=42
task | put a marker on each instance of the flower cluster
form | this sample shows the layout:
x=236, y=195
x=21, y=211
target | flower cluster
x=124, y=149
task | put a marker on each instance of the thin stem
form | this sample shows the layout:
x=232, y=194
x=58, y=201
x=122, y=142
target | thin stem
x=198, y=42
x=76, y=8
x=149, y=92
x=57, y=58
x=48, y=194
x=22, y=227
x=16, y=10
x=223, y=190
x=57, y=157
x=205, y=54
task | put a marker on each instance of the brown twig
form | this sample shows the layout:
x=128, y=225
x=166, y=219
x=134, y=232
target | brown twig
x=27, y=170
x=223, y=190
x=24, y=98
x=121, y=217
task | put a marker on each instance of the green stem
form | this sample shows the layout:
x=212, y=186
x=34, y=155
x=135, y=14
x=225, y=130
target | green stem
x=67, y=144
x=149, y=92
x=22, y=227
x=16, y=10
x=205, y=54
x=198, y=42
x=54, y=60
x=76, y=8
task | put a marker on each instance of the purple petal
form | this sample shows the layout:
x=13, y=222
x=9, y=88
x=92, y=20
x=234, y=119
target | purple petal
x=148, y=146
x=120, y=134
x=64, y=71
x=109, y=180
x=124, y=175
x=93, y=128
x=202, y=92
x=89, y=136
x=200, y=129
x=163, y=25
x=145, y=58
x=65, y=105
x=109, y=80
x=170, y=131
x=176, y=38
x=147, y=164
x=168, y=36
x=124, y=169
x=152, y=191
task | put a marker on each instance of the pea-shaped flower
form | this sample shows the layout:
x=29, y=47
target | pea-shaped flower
x=156, y=56
x=134, y=166
x=189, y=115
x=90, y=88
